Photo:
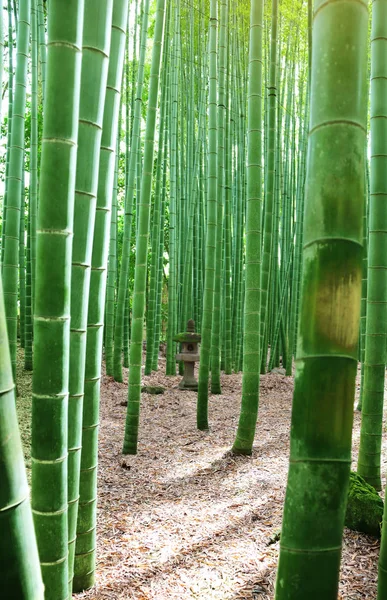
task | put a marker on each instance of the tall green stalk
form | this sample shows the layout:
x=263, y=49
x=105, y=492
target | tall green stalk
x=111, y=281
x=52, y=297
x=369, y=461
x=1, y=54
x=19, y=560
x=122, y=297
x=95, y=61
x=215, y=333
x=173, y=197
x=250, y=383
x=34, y=145
x=160, y=270
x=327, y=350
x=42, y=44
x=270, y=186
x=85, y=549
x=363, y=312
x=134, y=389
x=14, y=188
x=227, y=236
x=378, y=219
x=211, y=241
x=22, y=265
x=151, y=316
x=28, y=323
x=9, y=132
x=376, y=322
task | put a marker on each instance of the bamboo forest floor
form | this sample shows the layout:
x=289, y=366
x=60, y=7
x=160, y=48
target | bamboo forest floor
x=183, y=519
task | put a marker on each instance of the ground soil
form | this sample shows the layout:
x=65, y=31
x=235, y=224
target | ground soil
x=184, y=519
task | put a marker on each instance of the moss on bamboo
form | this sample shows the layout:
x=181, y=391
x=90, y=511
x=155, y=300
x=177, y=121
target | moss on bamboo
x=364, y=508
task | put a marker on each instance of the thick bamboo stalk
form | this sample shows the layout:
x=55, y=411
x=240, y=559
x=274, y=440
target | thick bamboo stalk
x=327, y=349
x=19, y=560
x=52, y=296
x=85, y=549
x=369, y=462
x=95, y=61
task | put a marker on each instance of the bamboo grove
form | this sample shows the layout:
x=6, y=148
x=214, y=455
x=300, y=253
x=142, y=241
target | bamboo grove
x=189, y=159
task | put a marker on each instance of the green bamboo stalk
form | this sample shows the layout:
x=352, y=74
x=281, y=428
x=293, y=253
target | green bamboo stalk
x=1, y=54
x=138, y=181
x=129, y=194
x=125, y=361
x=326, y=365
x=364, y=286
x=201, y=237
x=52, y=296
x=211, y=241
x=270, y=187
x=241, y=193
x=28, y=325
x=188, y=235
x=34, y=145
x=134, y=389
x=237, y=210
x=301, y=201
x=9, y=125
x=280, y=314
x=139, y=148
x=369, y=461
x=19, y=560
x=189, y=201
x=227, y=239
x=15, y=16
x=134, y=67
x=14, y=189
x=160, y=271
x=129, y=93
x=151, y=313
x=42, y=44
x=181, y=169
x=215, y=332
x=173, y=198
x=376, y=323
x=298, y=236
x=250, y=383
x=22, y=265
x=111, y=281
x=85, y=549
x=95, y=61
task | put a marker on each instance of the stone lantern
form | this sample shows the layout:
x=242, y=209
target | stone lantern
x=189, y=354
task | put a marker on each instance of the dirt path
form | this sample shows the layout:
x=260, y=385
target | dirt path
x=183, y=519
